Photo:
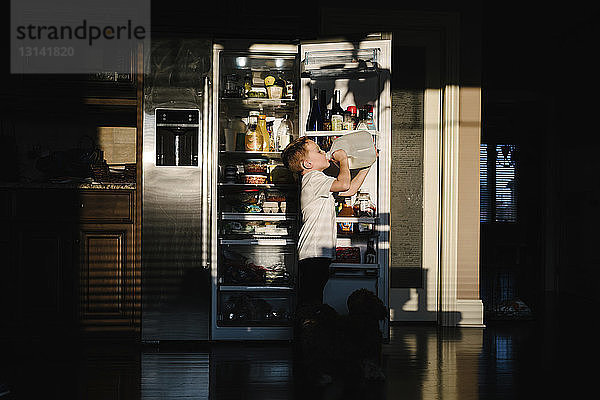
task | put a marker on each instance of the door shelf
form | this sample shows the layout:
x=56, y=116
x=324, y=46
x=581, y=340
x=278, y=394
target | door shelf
x=336, y=133
x=354, y=266
x=361, y=220
x=257, y=216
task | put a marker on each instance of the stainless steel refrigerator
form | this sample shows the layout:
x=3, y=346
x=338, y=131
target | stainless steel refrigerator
x=225, y=231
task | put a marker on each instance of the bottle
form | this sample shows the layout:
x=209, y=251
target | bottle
x=370, y=253
x=359, y=147
x=362, y=120
x=352, y=110
x=327, y=120
x=284, y=133
x=253, y=139
x=363, y=206
x=239, y=129
x=369, y=118
x=337, y=113
x=315, y=118
x=247, y=84
x=323, y=101
x=348, y=121
x=261, y=129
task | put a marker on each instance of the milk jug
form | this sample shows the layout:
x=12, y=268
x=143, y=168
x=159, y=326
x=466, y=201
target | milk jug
x=359, y=146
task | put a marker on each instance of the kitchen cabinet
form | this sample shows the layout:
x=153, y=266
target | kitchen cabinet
x=106, y=276
x=70, y=259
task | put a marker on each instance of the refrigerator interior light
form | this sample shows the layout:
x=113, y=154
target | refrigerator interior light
x=241, y=62
x=279, y=62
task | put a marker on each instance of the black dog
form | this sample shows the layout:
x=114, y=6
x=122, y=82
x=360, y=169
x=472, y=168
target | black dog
x=330, y=344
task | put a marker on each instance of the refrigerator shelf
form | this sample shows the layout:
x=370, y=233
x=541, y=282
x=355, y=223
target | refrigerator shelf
x=257, y=216
x=258, y=242
x=353, y=266
x=258, y=185
x=236, y=288
x=259, y=102
x=337, y=133
x=273, y=154
x=361, y=220
x=252, y=323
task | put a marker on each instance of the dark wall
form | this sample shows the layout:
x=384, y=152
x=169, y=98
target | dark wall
x=540, y=85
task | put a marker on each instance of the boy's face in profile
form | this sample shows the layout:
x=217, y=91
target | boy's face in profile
x=315, y=157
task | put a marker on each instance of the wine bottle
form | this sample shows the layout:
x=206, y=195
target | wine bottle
x=337, y=113
x=370, y=253
x=323, y=101
x=315, y=118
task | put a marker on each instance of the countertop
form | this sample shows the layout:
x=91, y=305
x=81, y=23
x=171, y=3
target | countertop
x=67, y=185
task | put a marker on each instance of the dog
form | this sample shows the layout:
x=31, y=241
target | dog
x=349, y=346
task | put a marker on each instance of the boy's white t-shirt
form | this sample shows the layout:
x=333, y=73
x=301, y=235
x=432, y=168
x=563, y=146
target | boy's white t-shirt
x=318, y=232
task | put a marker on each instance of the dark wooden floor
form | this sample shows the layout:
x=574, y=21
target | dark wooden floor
x=544, y=358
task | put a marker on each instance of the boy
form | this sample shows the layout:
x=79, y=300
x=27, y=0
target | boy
x=317, y=238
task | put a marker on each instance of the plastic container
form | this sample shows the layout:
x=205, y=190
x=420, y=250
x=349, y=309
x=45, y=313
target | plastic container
x=256, y=166
x=359, y=147
x=255, y=179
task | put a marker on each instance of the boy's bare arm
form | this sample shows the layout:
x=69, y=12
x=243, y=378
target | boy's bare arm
x=356, y=182
x=342, y=182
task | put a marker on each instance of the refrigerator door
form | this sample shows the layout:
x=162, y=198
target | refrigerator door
x=175, y=268
x=360, y=71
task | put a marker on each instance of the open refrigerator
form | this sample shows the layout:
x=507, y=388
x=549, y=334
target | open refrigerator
x=255, y=201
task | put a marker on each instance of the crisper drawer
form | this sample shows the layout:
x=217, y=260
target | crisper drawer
x=255, y=308
x=257, y=262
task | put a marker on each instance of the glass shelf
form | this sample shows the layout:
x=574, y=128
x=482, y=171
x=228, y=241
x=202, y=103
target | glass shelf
x=254, y=102
x=258, y=242
x=257, y=185
x=257, y=216
x=240, y=153
x=337, y=133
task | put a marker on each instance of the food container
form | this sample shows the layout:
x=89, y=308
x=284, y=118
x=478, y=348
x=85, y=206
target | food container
x=345, y=227
x=274, y=195
x=255, y=166
x=349, y=255
x=230, y=174
x=270, y=207
x=255, y=179
x=249, y=196
x=275, y=92
x=282, y=206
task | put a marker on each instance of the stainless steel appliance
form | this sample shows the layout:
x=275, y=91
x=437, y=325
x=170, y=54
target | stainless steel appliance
x=220, y=225
x=175, y=242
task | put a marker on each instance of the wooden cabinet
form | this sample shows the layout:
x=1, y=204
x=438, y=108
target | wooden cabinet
x=70, y=260
x=106, y=276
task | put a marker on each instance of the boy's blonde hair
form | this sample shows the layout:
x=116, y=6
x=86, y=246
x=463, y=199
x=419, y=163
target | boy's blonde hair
x=294, y=154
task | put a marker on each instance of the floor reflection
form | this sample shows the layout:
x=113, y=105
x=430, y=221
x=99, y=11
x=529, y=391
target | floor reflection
x=507, y=360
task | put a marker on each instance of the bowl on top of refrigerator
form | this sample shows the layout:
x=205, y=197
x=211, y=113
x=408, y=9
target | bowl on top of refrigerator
x=255, y=179
x=254, y=166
